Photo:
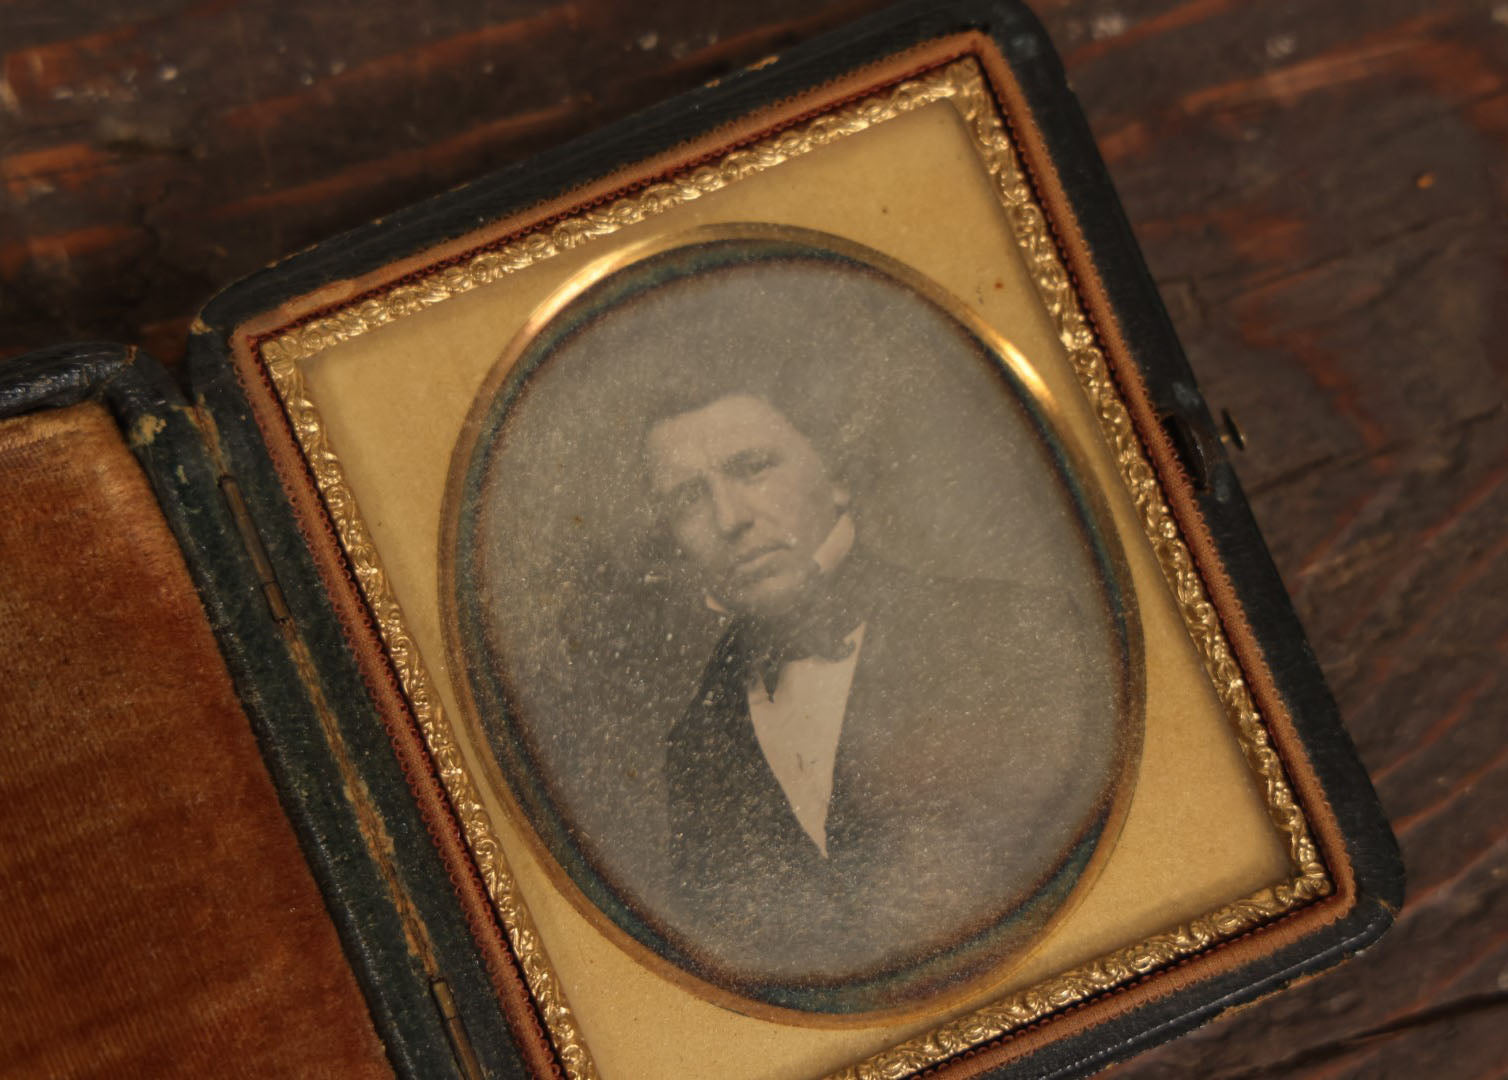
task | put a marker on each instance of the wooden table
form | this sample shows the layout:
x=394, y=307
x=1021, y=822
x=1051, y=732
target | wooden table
x=1319, y=188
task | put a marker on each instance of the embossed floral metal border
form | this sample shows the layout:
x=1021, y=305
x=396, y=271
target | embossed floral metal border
x=962, y=84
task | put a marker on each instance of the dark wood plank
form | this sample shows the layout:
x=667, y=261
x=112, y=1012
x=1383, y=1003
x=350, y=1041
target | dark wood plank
x=1320, y=192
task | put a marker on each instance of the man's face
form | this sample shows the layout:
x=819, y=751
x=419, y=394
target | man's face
x=747, y=498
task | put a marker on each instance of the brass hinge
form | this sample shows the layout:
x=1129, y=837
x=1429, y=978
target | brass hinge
x=272, y=592
x=455, y=1030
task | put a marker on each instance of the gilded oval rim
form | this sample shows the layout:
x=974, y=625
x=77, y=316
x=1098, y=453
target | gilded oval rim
x=1092, y=515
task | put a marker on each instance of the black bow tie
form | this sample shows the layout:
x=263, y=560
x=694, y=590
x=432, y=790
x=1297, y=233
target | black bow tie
x=762, y=647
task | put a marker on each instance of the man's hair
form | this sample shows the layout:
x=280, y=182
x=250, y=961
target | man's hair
x=795, y=403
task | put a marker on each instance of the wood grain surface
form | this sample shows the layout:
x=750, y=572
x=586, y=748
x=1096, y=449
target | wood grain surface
x=1320, y=191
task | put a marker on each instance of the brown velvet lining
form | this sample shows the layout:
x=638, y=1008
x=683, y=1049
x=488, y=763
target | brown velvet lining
x=156, y=915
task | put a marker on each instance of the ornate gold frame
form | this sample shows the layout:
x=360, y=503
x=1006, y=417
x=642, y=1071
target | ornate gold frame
x=963, y=85
x=1031, y=385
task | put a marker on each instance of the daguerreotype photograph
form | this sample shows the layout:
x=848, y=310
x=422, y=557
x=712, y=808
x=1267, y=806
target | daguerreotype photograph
x=803, y=644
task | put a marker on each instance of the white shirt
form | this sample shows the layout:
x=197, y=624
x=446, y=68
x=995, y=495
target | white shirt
x=798, y=730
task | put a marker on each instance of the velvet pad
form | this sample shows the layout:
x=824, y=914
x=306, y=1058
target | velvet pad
x=156, y=915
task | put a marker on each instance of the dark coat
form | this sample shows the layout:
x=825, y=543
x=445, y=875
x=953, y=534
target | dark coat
x=952, y=766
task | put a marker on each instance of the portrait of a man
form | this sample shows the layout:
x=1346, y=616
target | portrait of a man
x=798, y=652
